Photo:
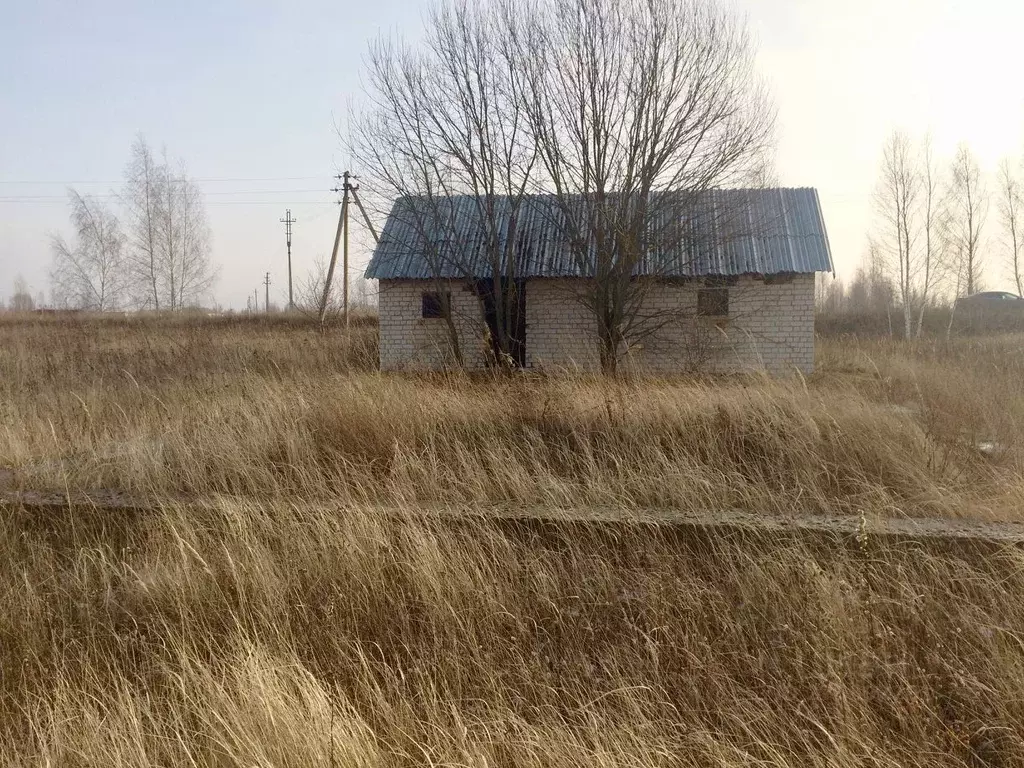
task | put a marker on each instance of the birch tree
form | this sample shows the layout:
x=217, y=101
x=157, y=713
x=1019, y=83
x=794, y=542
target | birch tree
x=966, y=211
x=21, y=298
x=931, y=194
x=896, y=201
x=90, y=272
x=144, y=180
x=185, y=263
x=169, y=264
x=1010, y=204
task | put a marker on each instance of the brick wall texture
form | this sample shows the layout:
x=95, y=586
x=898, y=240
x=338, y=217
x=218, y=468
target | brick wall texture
x=769, y=327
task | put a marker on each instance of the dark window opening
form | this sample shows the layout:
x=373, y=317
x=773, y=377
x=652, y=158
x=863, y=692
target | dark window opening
x=434, y=303
x=713, y=302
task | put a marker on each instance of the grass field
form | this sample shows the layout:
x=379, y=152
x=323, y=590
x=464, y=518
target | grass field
x=289, y=622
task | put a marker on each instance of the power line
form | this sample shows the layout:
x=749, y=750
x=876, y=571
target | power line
x=20, y=201
x=210, y=179
x=111, y=196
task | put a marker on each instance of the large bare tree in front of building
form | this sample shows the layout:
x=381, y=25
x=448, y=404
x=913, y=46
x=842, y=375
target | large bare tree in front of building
x=169, y=263
x=447, y=135
x=90, y=272
x=624, y=112
x=1011, y=210
x=966, y=208
x=639, y=109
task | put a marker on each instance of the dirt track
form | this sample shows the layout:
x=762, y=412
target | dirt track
x=724, y=520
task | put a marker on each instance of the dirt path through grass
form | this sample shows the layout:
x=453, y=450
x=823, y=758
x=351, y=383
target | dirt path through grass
x=901, y=528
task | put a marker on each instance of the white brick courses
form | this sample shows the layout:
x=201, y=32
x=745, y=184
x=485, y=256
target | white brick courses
x=770, y=327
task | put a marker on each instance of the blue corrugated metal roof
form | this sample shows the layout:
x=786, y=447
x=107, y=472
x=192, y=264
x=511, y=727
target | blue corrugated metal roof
x=719, y=232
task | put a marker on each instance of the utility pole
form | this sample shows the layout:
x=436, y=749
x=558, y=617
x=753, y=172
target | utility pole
x=348, y=189
x=266, y=286
x=288, y=221
x=255, y=300
x=345, y=189
x=344, y=250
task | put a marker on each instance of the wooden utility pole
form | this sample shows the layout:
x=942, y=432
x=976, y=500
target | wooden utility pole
x=342, y=218
x=288, y=221
x=344, y=250
x=266, y=286
x=348, y=189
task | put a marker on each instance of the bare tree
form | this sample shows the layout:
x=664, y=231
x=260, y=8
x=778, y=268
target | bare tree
x=89, y=273
x=931, y=215
x=169, y=265
x=21, y=298
x=1010, y=211
x=623, y=112
x=896, y=201
x=449, y=136
x=188, y=271
x=309, y=293
x=966, y=210
x=830, y=294
x=638, y=109
x=142, y=198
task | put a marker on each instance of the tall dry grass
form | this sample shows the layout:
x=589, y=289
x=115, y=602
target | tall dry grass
x=266, y=630
x=276, y=411
x=258, y=635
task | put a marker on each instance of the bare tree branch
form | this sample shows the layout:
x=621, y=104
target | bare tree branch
x=966, y=211
x=89, y=273
x=169, y=265
x=1010, y=211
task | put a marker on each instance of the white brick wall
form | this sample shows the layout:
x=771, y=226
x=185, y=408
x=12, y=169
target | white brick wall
x=560, y=330
x=410, y=341
x=770, y=327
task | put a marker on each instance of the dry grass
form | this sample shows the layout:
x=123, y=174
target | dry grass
x=267, y=631
x=277, y=412
x=271, y=636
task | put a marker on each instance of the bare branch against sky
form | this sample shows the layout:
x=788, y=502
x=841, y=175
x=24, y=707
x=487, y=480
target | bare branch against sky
x=250, y=99
x=966, y=211
x=90, y=272
x=1011, y=216
x=626, y=113
x=638, y=110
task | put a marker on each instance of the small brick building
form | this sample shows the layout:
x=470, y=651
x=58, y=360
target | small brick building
x=740, y=298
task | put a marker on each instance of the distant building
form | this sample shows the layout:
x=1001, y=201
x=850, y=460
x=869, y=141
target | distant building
x=735, y=294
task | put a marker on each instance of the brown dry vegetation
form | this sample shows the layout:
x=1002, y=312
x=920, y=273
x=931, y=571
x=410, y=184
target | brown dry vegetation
x=291, y=623
x=271, y=410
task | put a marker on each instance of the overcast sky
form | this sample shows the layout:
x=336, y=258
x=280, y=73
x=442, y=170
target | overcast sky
x=247, y=94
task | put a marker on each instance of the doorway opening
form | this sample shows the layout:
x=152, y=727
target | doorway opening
x=514, y=292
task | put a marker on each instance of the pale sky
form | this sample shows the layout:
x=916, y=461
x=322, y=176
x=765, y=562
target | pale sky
x=248, y=94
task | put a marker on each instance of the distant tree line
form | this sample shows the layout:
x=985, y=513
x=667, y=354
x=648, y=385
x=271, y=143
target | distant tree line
x=21, y=299
x=150, y=250
x=934, y=238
